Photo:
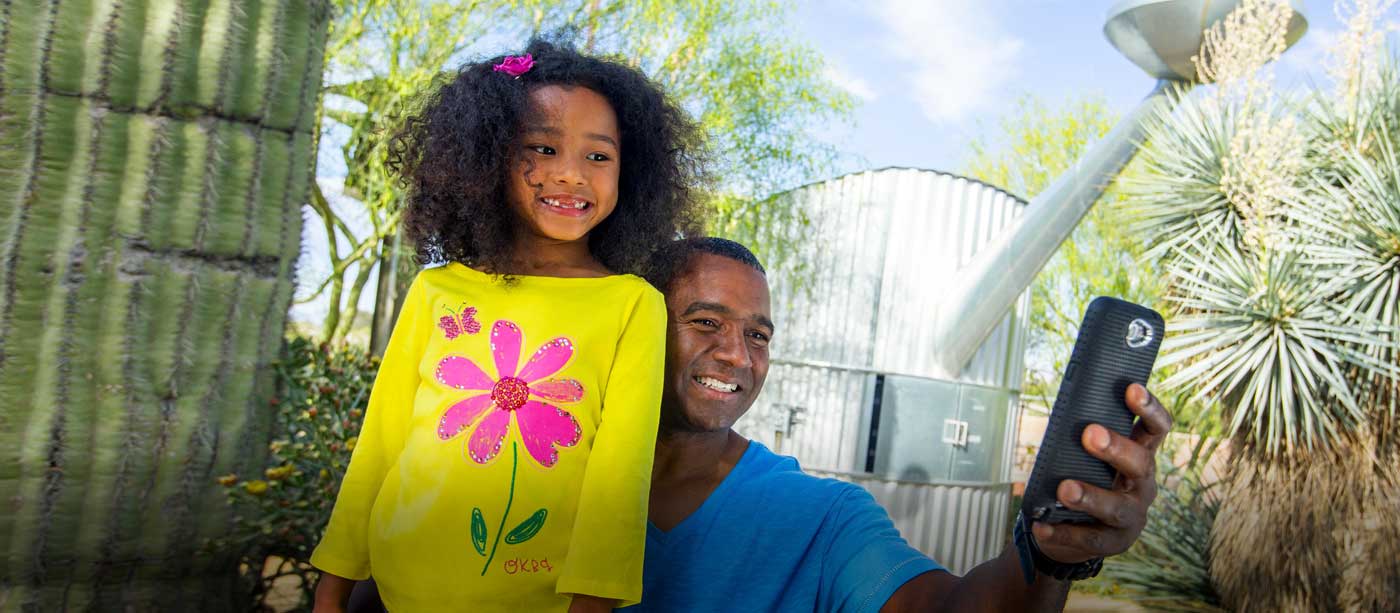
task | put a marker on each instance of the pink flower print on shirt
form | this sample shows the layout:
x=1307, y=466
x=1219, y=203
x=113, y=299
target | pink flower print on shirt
x=543, y=426
x=456, y=324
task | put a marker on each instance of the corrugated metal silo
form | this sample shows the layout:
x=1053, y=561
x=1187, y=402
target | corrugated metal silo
x=855, y=390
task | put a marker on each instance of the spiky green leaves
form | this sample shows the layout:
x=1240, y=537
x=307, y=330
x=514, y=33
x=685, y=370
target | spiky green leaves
x=1264, y=333
x=1217, y=166
x=1281, y=234
x=1176, y=195
x=1356, y=213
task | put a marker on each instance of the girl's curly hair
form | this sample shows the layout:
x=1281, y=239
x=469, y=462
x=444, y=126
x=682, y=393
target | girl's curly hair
x=454, y=155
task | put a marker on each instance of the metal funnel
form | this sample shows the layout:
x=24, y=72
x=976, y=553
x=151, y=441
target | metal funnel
x=1158, y=35
x=1161, y=36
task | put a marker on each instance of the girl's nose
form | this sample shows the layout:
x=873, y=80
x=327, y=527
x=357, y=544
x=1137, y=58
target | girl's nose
x=567, y=173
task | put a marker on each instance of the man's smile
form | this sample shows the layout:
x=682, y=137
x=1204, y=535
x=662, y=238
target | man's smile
x=717, y=384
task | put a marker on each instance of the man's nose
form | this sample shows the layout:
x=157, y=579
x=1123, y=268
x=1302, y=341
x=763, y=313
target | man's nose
x=731, y=349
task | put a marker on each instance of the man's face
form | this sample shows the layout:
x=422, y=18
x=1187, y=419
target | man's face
x=716, y=344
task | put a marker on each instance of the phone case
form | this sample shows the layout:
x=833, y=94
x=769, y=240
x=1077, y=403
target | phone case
x=1116, y=347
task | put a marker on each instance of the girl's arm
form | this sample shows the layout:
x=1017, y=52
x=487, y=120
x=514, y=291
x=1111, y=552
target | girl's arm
x=332, y=593
x=609, y=532
x=344, y=549
x=591, y=604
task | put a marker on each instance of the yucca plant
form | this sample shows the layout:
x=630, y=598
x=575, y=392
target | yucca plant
x=1357, y=210
x=154, y=157
x=1278, y=224
x=1269, y=336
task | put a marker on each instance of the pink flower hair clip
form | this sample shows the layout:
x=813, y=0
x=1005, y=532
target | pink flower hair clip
x=515, y=65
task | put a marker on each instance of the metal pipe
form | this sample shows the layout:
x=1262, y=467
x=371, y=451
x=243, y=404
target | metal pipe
x=988, y=285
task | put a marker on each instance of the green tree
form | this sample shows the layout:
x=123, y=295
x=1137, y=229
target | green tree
x=153, y=160
x=758, y=95
x=381, y=56
x=1280, y=230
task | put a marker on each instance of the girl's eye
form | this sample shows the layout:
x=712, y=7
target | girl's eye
x=598, y=157
x=542, y=149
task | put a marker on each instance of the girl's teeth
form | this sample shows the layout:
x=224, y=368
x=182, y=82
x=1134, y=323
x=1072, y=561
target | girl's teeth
x=555, y=203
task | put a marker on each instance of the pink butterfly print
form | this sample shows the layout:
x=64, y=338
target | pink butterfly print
x=522, y=393
x=456, y=324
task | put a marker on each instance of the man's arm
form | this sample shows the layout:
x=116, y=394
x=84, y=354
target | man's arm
x=999, y=585
x=984, y=588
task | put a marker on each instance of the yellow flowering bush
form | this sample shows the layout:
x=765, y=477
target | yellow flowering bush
x=281, y=511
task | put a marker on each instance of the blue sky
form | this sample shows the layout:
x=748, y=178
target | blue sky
x=931, y=76
x=977, y=58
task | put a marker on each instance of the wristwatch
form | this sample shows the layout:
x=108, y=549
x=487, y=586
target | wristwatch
x=1032, y=559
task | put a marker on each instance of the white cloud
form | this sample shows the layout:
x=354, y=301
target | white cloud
x=960, y=55
x=857, y=86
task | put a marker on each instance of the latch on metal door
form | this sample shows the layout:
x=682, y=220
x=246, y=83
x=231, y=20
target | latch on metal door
x=955, y=432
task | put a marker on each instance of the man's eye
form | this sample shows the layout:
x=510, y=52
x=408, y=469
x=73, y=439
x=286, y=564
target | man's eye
x=708, y=323
x=598, y=157
x=542, y=149
x=759, y=336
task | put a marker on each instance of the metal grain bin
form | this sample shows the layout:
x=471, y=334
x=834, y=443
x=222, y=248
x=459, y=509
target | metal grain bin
x=856, y=390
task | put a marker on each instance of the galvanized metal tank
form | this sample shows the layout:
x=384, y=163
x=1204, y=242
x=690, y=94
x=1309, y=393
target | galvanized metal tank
x=855, y=390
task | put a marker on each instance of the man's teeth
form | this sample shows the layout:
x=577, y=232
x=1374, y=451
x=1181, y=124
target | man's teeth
x=716, y=384
x=574, y=204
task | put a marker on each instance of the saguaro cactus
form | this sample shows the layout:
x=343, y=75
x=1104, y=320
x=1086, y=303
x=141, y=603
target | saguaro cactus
x=154, y=156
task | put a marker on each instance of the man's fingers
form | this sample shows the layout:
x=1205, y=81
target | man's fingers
x=1072, y=544
x=1114, y=509
x=1128, y=456
x=1154, y=421
x=1121, y=512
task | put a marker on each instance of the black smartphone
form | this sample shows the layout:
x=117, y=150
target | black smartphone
x=1116, y=347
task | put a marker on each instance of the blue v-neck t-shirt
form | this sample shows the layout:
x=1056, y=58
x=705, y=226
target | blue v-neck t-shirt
x=772, y=538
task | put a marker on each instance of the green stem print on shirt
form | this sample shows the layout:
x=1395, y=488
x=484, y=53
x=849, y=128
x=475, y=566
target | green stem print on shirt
x=525, y=531
x=514, y=463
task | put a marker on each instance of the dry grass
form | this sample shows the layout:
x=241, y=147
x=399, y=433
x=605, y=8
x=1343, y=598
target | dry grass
x=1314, y=532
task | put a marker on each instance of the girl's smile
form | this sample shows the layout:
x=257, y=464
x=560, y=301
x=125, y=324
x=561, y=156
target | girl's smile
x=566, y=204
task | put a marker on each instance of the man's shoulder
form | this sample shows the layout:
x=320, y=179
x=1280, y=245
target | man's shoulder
x=782, y=476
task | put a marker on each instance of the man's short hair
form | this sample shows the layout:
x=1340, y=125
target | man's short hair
x=671, y=260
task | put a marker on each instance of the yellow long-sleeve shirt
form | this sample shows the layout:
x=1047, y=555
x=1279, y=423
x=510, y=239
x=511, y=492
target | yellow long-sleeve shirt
x=506, y=453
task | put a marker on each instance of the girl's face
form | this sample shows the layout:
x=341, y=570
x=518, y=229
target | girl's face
x=564, y=183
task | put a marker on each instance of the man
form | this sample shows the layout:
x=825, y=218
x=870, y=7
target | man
x=736, y=528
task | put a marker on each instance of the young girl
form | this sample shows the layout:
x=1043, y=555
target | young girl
x=506, y=453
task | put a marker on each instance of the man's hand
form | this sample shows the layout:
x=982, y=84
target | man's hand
x=1123, y=509
x=999, y=585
